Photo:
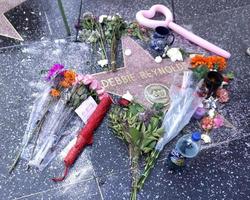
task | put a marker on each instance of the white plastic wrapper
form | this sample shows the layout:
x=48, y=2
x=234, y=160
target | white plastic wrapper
x=53, y=145
x=184, y=102
x=39, y=108
x=43, y=142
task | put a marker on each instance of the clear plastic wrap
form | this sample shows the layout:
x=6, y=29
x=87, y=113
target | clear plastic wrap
x=184, y=102
x=39, y=109
x=41, y=140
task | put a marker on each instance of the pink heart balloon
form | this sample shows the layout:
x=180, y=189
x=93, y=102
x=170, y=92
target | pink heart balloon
x=144, y=18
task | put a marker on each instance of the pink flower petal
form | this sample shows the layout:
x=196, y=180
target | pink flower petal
x=80, y=77
x=94, y=85
x=88, y=79
x=218, y=121
x=100, y=91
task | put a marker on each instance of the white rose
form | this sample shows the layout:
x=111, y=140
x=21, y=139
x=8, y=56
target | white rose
x=109, y=18
x=102, y=17
x=102, y=63
x=158, y=59
x=211, y=113
x=175, y=54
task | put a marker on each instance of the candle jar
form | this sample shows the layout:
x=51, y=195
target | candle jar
x=213, y=81
x=161, y=38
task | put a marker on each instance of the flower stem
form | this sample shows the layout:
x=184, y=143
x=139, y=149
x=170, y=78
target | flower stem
x=64, y=17
x=101, y=42
x=135, y=171
x=113, y=52
x=149, y=166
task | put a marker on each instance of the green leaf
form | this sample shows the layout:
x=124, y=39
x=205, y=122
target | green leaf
x=230, y=75
x=200, y=71
x=146, y=141
x=154, y=121
x=135, y=108
x=143, y=128
x=135, y=135
x=158, y=106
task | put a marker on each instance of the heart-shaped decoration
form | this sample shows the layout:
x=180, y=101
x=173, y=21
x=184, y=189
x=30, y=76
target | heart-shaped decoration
x=144, y=16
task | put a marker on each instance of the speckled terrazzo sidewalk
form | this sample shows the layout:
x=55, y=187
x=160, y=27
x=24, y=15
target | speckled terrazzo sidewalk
x=221, y=171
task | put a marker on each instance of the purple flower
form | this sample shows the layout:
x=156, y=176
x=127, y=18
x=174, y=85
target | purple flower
x=54, y=70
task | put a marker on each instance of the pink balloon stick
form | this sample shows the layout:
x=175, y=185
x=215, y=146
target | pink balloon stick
x=144, y=18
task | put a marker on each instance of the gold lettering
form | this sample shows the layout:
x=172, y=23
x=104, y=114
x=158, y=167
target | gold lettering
x=118, y=80
x=124, y=79
x=161, y=70
x=177, y=67
x=131, y=77
x=143, y=75
x=154, y=71
x=149, y=75
x=168, y=69
x=105, y=83
x=111, y=81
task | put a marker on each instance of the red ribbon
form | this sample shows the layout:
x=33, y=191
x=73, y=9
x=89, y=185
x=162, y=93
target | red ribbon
x=85, y=137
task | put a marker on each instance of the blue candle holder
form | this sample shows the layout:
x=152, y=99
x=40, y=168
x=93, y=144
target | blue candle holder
x=161, y=38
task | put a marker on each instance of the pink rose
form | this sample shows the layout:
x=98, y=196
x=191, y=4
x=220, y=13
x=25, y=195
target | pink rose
x=100, y=91
x=218, y=121
x=87, y=79
x=222, y=95
x=95, y=85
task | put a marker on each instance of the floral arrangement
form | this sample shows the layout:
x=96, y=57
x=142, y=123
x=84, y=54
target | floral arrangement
x=215, y=81
x=53, y=109
x=210, y=91
x=139, y=128
x=194, y=94
x=105, y=33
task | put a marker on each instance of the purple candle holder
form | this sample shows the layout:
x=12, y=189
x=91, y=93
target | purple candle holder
x=199, y=113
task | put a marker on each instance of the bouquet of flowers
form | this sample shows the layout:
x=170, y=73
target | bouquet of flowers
x=105, y=33
x=184, y=102
x=53, y=109
x=139, y=127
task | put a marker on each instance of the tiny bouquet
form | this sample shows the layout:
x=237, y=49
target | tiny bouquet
x=105, y=33
x=53, y=109
x=140, y=128
x=211, y=69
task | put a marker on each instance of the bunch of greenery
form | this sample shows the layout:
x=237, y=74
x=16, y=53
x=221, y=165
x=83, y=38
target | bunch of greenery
x=105, y=32
x=140, y=129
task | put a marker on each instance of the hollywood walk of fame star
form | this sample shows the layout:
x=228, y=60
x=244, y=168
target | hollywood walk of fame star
x=6, y=28
x=145, y=79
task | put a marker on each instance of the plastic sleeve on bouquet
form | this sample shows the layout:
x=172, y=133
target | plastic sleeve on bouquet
x=184, y=102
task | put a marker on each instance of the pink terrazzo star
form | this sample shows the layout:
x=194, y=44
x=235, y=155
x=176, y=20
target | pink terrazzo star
x=145, y=79
x=6, y=28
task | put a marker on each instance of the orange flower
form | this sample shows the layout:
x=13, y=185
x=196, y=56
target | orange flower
x=198, y=60
x=64, y=84
x=70, y=76
x=220, y=62
x=211, y=62
x=55, y=93
x=69, y=79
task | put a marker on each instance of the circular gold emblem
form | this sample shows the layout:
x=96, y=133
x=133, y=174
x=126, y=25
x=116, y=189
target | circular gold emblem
x=157, y=93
